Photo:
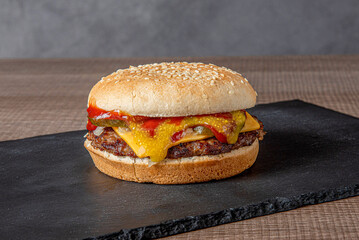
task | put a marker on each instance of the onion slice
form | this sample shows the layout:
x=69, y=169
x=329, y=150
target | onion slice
x=98, y=131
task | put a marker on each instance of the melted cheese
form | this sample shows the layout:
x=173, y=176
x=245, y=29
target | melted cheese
x=250, y=125
x=156, y=146
x=141, y=152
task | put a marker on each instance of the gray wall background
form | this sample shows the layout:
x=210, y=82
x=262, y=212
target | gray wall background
x=132, y=28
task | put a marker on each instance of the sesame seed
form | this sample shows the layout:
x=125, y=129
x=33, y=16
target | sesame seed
x=203, y=73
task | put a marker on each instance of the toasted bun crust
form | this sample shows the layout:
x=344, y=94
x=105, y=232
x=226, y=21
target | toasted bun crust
x=173, y=89
x=175, y=171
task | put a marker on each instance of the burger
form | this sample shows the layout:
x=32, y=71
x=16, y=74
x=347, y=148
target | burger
x=172, y=123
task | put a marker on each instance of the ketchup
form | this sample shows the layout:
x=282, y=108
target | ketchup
x=150, y=124
x=176, y=120
x=90, y=126
x=177, y=136
x=220, y=137
x=94, y=112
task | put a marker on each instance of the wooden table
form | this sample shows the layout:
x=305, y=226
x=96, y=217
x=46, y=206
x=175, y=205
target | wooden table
x=49, y=96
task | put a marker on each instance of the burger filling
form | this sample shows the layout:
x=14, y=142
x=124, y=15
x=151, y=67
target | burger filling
x=174, y=137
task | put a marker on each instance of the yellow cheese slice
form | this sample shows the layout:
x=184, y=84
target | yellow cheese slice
x=250, y=124
x=128, y=137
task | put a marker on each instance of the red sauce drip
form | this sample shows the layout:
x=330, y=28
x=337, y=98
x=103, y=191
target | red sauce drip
x=176, y=120
x=90, y=126
x=94, y=112
x=150, y=124
x=221, y=137
x=177, y=136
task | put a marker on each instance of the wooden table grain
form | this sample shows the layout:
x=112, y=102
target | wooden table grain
x=44, y=96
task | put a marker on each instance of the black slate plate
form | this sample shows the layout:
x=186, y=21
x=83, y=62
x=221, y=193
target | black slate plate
x=50, y=188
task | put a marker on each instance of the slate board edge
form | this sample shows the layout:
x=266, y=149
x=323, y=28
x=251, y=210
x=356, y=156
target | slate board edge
x=270, y=206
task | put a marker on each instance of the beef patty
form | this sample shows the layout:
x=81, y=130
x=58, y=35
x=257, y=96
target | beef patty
x=110, y=142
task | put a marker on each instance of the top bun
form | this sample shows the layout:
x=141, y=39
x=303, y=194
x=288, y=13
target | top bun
x=173, y=89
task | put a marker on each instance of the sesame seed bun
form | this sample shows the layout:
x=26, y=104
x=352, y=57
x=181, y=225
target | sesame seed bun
x=173, y=89
x=175, y=171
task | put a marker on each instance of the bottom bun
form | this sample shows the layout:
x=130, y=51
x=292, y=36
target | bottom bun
x=175, y=171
